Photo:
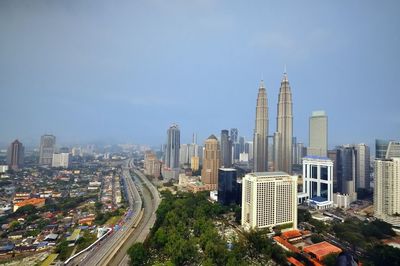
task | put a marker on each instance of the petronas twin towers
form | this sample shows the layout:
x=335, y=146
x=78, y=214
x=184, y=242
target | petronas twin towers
x=282, y=146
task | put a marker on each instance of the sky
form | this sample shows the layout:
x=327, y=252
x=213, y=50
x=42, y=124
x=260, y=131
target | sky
x=124, y=71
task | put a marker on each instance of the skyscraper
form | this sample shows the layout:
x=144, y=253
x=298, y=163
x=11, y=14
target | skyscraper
x=211, y=162
x=46, y=149
x=381, y=148
x=260, y=140
x=269, y=199
x=284, y=127
x=363, y=166
x=393, y=150
x=387, y=190
x=173, y=146
x=226, y=149
x=15, y=155
x=234, y=135
x=318, y=134
x=228, y=187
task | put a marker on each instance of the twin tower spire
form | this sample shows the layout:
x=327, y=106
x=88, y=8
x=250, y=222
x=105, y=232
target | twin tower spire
x=282, y=139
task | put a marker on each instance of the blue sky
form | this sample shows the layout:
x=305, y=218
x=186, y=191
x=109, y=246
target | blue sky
x=123, y=71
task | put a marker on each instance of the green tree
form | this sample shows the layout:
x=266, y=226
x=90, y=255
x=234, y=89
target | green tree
x=138, y=254
x=330, y=260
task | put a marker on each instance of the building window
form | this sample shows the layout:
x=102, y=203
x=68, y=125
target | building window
x=314, y=172
x=324, y=173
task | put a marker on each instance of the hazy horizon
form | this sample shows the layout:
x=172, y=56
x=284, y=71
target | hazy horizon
x=123, y=72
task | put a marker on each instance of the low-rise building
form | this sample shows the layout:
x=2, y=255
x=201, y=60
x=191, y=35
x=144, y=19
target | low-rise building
x=38, y=203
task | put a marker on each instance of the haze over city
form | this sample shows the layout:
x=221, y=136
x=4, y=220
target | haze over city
x=101, y=71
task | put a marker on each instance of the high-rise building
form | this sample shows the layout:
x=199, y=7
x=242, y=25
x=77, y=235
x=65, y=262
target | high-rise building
x=284, y=127
x=211, y=163
x=195, y=163
x=381, y=148
x=184, y=154
x=393, y=150
x=318, y=134
x=333, y=156
x=241, y=143
x=318, y=181
x=234, y=135
x=60, y=160
x=46, y=149
x=15, y=155
x=387, y=190
x=248, y=148
x=363, y=166
x=172, y=147
x=228, y=187
x=152, y=166
x=260, y=140
x=269, y=199
x=347, y=169
x=226, y=149
x=236, y=152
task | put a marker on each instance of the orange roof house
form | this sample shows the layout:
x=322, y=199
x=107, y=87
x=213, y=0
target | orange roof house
x=322, y=249
x=35, y=202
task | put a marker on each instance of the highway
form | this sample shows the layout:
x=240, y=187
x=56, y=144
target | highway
x=143, y=199
x=101, y=254
x=151, y=200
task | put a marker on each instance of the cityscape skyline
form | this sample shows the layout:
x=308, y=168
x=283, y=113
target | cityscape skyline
x=82, y=82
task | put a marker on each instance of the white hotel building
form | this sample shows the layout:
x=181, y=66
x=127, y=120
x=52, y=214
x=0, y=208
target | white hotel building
x=317, y=182
x=269, y=199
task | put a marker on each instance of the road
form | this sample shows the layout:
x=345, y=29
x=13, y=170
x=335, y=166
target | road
x=151, y=200
x=106, y=249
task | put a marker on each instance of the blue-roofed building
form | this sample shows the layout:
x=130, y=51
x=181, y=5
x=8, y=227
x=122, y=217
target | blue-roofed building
x=317, y=182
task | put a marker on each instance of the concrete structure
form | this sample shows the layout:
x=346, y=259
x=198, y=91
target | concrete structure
x=184, y=154
x=228, y=187
x=284, y=128
x=172, y=147
x=342, y=200
x=195, y=163
x=60, y=160
x=318, y=181
x=15, y=155
x=269, y=199
x=211, y=163
x=152, y=166
x=260, y=139
x=387, y=190
x=248, y=148
x=46, y=149
x=3, y=168
x=318, y=134
x=333, y=156
x=234, y=135
x=393, y=150
x=363, y=166
x=226, y=149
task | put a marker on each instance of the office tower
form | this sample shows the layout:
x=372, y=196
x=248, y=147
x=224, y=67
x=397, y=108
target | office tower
x=363, y=166
x=211, y=162
x=236, y=152
x=387, y=190
x=234, y=135
x=300, y=153
x=294, y=150
x=318, y=181
x=195, y=163
x=284, y=127
x=260, y=140
x=333, y=156
x=381, y=148
x=228, y=187
x=15, y=155
x=184, y=154
x=318, y=134
x=226, y=149
x=60, y=160
x=172, y=148
x=241, y=143
x=64, y=150
x=269, y=199
x=152, y=166
x=46, y=150
x=248, y=148
x=393, y=149
x=347, y=166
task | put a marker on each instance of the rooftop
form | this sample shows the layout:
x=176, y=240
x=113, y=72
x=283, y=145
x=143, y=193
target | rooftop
x=315, y=157
x=320, y=250
x=269, y=174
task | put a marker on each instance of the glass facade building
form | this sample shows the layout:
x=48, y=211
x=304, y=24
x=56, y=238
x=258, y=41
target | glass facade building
x=228, y=187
